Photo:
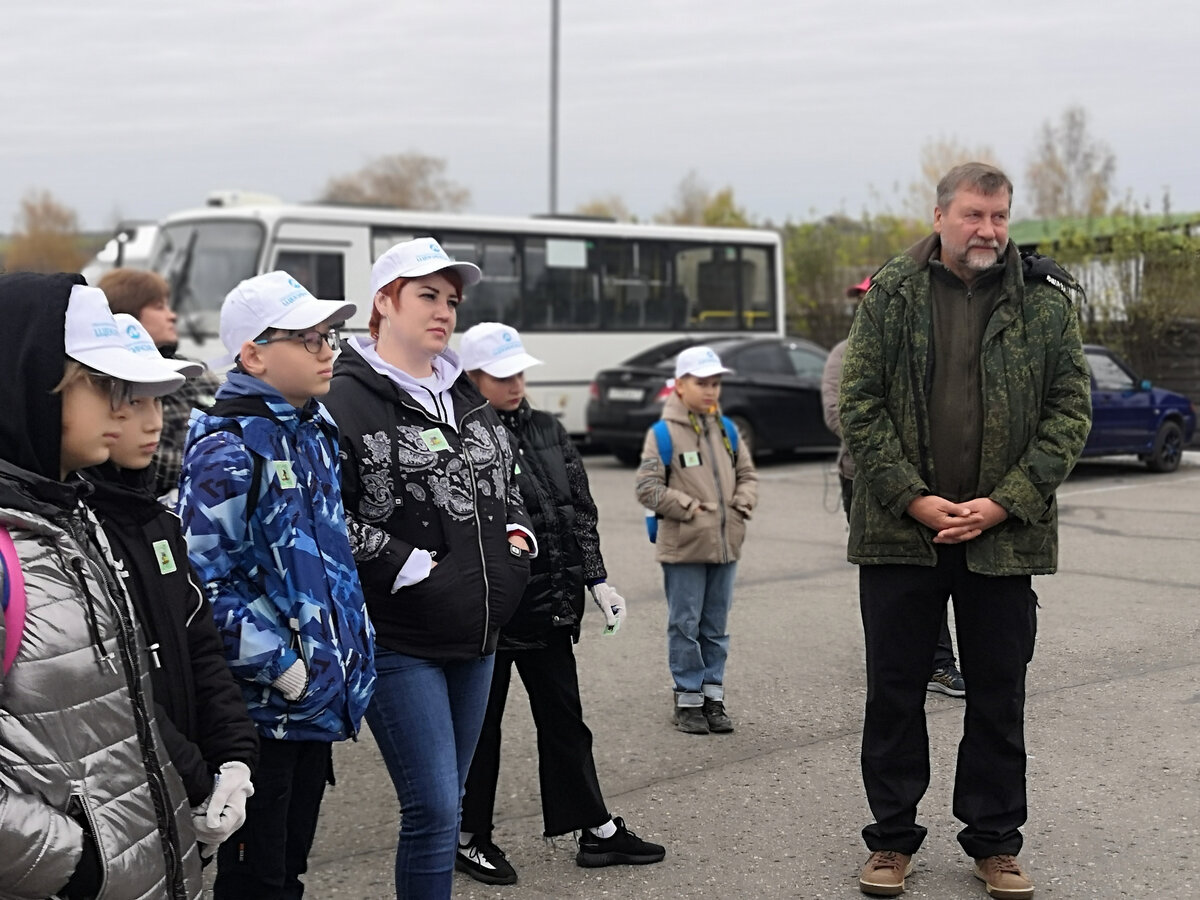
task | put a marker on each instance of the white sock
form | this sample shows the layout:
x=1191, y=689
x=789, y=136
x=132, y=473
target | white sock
x=464, y=838
x=605, y=831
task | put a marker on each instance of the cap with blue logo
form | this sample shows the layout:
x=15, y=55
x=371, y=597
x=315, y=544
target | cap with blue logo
x=273, y=300
x=412, y=259
x=93, y=337
x=137, y=340
x=495, y=348
x=699, y=362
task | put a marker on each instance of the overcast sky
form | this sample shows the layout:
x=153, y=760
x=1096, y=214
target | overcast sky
x=804, y=107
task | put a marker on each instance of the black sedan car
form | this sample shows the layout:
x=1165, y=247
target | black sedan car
x=773, y=394
x=1130, y=415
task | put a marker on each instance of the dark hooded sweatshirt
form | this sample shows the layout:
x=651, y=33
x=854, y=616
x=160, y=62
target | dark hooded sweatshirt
x=202, y=715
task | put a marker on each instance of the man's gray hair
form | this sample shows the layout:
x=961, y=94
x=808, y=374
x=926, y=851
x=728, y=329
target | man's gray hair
x=976, y=176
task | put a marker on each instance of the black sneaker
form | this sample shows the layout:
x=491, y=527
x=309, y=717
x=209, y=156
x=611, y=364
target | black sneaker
x=949, y=681
x=714, y=714
x=623, y=848
x=484, y=861
x=690, y=720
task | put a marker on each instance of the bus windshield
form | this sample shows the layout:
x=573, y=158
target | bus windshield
x=204, y=261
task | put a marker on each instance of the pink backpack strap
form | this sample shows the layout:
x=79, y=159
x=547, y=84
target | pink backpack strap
x=13, y=598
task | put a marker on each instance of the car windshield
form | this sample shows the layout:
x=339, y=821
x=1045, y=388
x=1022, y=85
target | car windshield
x=204, y=261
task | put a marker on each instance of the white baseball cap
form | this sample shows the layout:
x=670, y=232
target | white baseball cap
x=93, y=337
x=699, y=362
x=138, y=340
x=495, y=348
x=412, y=259
x=273, y=300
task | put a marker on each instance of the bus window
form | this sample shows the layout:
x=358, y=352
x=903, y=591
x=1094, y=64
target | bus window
x=497, y=297
x=322, y=273
x=758, y=289
x=635, y=284
x=204, y=261
x=561, y=287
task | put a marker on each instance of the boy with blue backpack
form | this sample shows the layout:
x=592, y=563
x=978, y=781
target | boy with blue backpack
x=261, y=506
x=698, y=479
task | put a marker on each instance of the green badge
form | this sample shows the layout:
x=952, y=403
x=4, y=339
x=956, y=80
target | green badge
x=283, y=471
x=516, y=468
x=691, y=458
x=166, y=561
x=435, y=440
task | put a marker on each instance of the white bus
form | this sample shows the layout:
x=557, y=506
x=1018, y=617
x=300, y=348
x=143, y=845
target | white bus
x=585, y=294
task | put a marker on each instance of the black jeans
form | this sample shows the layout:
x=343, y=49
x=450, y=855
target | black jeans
x=996, y=620
x=571, y=798
x=943, y=656
x=264, y=859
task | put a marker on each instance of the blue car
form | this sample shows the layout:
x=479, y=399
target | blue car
x=1130, y=415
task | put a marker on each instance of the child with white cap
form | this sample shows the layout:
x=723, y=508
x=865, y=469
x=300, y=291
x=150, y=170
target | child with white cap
x=208, y=732
x=90, y=802
x=441, y=538
x=704, y=491
x=262, y=511
x=538, y=638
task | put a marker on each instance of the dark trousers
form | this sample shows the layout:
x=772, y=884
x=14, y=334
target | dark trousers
x=571, y=798
x=996, y=620
x=943, y=655
x=264, y=859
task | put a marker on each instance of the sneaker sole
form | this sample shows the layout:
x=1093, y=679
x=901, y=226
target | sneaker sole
x=599, y=860
x=482, y=875
x=1004, y=893
x=941, y=688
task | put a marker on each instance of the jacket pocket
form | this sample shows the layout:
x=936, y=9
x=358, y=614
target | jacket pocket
x=82, y=808
x=506, y=593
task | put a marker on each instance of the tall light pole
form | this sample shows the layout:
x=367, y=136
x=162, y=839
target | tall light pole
x=553, y=107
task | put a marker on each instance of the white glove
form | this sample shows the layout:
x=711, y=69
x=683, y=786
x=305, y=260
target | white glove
x=293, y=682
x=224, y=811
x=611, y=604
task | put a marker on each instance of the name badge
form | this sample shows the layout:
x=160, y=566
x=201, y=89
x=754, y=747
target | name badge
x=689, y=459
x=435, y=440
x=283, y=471
x=166, y=560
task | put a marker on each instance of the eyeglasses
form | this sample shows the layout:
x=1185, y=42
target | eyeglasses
x=312, y=340
x=119, y=392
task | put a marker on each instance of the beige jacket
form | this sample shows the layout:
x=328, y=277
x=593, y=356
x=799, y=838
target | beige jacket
x=687, y=533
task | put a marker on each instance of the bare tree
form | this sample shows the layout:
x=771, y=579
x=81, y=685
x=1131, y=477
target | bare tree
x=1071, y=172
x=696, y=204
x=404, y=180
x=607, y=206
x=45, y=237
x=939, y=156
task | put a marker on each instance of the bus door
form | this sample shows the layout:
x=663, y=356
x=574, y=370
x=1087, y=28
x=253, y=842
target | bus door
x=333, y=261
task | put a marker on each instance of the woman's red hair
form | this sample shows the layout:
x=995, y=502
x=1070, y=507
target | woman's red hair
x=392, y=290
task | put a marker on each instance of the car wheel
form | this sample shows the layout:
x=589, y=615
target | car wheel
x=746, y=430
x=627, y=455
x=1168, y=448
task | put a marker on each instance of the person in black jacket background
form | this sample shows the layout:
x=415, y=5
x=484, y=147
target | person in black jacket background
x=202, y=716
x=538, y=638
x=441, y=539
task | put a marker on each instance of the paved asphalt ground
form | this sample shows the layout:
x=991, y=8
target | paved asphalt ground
x=775, y=809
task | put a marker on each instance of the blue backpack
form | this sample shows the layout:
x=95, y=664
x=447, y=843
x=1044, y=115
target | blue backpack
x=662, y=437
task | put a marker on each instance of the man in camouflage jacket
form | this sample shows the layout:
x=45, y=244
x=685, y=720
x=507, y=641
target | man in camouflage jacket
x=965, y=402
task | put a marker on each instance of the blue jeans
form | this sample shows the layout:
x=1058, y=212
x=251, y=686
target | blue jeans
x=425, y=716
x=698, y=599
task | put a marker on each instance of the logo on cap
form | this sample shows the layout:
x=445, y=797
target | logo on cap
x=132, y=332
x=104, y=329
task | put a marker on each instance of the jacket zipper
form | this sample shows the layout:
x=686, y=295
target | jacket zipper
x=126, y=640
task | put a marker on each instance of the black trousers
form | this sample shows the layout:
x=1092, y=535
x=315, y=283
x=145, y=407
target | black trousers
x=264, y=859
x=996, y=619
x=571, y=798
x=943, y=655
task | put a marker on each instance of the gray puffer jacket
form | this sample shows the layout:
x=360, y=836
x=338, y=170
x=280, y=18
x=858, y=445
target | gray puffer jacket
x=79, y=748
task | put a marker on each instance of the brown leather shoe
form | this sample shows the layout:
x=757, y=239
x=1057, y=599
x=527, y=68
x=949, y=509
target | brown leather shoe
x=884, y=873
x=1004, y=877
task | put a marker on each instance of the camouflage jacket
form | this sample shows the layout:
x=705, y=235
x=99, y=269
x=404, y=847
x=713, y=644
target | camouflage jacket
x=1037, y=414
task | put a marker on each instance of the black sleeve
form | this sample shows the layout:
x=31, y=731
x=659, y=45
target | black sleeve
x=586, y=516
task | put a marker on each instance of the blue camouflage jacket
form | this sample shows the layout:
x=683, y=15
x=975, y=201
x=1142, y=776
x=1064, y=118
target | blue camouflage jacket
x=275, y=558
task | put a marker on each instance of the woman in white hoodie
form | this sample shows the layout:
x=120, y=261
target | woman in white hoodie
x=441, y=539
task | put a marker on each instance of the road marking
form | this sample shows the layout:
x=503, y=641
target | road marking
x=1125, y=487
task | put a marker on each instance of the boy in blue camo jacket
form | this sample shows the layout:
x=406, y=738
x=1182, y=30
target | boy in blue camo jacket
x=261, y=505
